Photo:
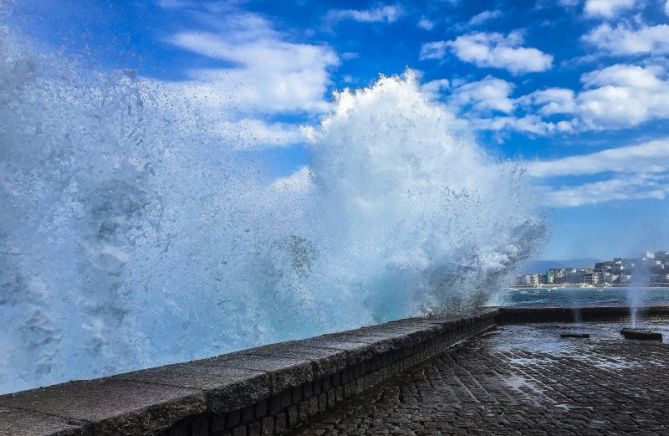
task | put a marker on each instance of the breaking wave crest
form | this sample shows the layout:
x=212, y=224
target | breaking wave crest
x=128, y=238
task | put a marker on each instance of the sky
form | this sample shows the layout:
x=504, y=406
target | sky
x=576, y=90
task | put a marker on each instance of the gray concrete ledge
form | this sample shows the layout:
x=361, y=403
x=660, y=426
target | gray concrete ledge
x=265, y=390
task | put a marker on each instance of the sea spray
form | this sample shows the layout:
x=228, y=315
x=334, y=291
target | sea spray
x=132, y=237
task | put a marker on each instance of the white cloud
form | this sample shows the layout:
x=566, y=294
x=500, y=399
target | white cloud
x=381, y=14
x=492, y=50
x=173, y=4
x=666, y=7
x=488, y=105
x=433, y=50
x=635, y=172
x=270, y=74
x=607, y=8
x=647, y=157
x=426, y=24
x=616, y=97
x=483, y=17
x=623, y=96
x=489, y=94
x=551, y=101
x=625, y=40
x=433, y=88
x=532, y=124
x=614, y=189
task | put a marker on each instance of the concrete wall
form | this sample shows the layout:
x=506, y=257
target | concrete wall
x=264, y=390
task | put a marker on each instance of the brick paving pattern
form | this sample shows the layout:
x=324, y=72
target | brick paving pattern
x=521, y=380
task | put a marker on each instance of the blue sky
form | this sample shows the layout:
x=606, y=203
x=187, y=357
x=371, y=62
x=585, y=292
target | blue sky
x=576, y=89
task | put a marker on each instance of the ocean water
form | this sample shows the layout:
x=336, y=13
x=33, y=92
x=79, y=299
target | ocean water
x=637, y=296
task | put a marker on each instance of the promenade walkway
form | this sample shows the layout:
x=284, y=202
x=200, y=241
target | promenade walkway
x=524, y=380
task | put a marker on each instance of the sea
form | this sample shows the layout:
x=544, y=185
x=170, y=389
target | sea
x=636, y=296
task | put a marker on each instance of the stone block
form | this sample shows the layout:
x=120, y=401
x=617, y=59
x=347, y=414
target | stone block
x=200, y=427
x=284, y=372
x=253, y=428
x=248, y=414
x=313, y=406
x=286, y=399
x=274, y=404
x=293, y=415
x=240, y=430
x=268, y=426
x=233, y=419
x=226, y=388
x=112, y=406
x=326, y=361
x=14, y=422
x=280, y=423
x=357, y=350
x=217, y=423
x=262, y=409
x=304, y=410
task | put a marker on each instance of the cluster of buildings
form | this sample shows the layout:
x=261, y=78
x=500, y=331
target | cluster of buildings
x=650, y=270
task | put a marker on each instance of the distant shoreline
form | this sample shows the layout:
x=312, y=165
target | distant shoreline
x=587, y=286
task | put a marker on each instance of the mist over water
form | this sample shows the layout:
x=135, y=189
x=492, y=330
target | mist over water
x=131, y=237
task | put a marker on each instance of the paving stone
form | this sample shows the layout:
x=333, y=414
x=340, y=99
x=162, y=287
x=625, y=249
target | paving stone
x=521, y=380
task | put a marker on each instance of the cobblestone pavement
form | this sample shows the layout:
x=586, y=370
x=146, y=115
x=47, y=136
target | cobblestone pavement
x=521, y=380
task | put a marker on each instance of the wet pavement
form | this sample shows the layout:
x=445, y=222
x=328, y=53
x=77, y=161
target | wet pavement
x=523, y=380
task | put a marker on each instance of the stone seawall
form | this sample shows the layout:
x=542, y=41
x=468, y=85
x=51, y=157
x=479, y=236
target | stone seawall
x=265, y=390
x=271, y=389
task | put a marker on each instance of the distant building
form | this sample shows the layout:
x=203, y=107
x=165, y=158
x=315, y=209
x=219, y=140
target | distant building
x=591, y=278
x=650, y=269
x=574, y=276
x=606, y=277
x=535, y=280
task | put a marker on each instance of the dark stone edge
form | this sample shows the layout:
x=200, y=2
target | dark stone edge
x=520, y=315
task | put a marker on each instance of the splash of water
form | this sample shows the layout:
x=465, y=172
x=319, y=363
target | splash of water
x=128, y=239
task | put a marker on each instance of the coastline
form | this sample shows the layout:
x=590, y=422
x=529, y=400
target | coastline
x=577, y=286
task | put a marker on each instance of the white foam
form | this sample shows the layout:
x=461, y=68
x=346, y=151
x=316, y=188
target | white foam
x=129, y=239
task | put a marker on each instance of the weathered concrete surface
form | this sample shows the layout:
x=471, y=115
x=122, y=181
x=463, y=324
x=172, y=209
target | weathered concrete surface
x=284, y=372
x=110, y=406
x=25, y=423
x=226, y=388
x=326, y=361
x=523, y=380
